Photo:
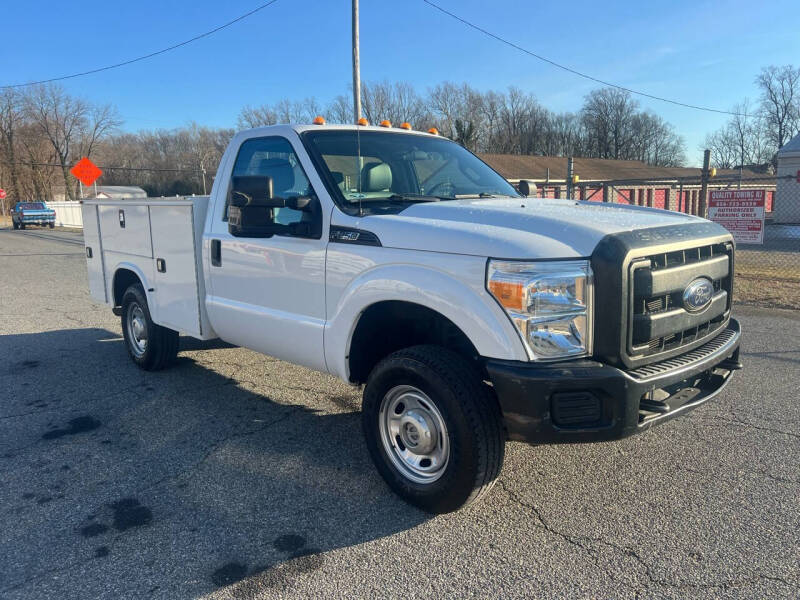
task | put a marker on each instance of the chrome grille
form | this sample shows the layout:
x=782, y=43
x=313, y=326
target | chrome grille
x=658, y=321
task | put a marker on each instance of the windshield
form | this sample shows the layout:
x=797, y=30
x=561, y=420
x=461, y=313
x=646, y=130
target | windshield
x=31, y=206
x=371, y=169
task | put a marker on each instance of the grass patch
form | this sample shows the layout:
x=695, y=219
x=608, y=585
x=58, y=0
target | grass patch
x=769, y=279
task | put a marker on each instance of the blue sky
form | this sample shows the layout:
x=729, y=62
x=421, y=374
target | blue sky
x=704, y=53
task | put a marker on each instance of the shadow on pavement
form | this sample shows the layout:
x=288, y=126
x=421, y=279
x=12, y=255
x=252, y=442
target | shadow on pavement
x=183, y=479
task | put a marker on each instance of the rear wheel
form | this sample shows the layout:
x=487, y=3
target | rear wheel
x=51, y=225
x=433, y=428
x=151, y=346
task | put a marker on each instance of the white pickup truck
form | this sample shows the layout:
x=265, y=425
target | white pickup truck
x=399, y=260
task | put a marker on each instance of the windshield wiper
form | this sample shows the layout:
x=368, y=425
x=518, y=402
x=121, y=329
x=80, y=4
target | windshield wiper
x=413, y=198
x=481, y=195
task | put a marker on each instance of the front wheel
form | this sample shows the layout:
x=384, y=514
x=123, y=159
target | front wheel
x=21, y=225
x=15, y=224
x=433, y=428
x=151, y=346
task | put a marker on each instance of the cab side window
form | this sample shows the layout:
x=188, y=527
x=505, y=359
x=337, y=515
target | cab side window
x=275, y=158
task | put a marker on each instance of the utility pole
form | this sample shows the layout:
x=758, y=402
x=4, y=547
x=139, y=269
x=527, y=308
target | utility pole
x=570, y=169
x=356, y=67
x=704, y=182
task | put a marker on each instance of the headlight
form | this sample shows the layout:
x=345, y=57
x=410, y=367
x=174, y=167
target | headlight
x=550, y=303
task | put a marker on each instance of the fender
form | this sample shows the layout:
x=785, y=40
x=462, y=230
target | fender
x=474, y=312
x=140, y=274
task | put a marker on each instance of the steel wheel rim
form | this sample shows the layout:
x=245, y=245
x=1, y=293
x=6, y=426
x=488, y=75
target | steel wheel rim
x=414, y=434
x=136, y=325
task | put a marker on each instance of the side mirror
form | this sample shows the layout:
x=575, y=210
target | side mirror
x=526, y=188
x=256, y=190
x=251, y=210
x=250, y=190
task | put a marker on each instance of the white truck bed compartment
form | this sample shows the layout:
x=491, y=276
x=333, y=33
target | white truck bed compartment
x=159, y=239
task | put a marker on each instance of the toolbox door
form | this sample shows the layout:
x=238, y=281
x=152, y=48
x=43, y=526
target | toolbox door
x=176, y=296
x=94, y=253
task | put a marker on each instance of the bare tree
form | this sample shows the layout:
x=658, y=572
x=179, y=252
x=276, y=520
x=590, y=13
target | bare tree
x=743, y=140
x=284, y=110
x=11, y=119
x=251, y=117
x=397, y=103
x=608, y=116
x=70, y=124
x=340, y=110
x=780, y=102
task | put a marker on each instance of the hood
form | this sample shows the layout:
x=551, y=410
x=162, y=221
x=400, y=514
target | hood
x=513, y=227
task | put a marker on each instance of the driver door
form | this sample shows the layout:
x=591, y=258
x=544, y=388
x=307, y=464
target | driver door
x=268, y=293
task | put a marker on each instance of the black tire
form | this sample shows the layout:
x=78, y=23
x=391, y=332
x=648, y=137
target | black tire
x=51, y=225
x=21, y=225
x=161, y=344
x=15, y=224
x=469, y=411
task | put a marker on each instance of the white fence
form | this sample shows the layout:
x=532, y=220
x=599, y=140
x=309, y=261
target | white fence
x=68, y=214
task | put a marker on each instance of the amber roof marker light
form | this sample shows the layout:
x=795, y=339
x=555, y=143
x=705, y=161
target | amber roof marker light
x=433, y=131
x=318, y=120
x=405, y=125
x=386, y=123
x=363, y=121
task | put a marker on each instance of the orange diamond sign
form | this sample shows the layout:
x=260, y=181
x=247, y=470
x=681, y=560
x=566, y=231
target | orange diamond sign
x=86, y=171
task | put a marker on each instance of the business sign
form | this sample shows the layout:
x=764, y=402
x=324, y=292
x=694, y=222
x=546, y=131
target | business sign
x=86, y=171
x=739, y=211
x=2, y=194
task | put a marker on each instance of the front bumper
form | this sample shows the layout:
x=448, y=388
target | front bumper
x=588, y=401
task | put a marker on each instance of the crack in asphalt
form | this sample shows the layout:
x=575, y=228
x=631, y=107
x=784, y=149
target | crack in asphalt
x=83, y=402
x=214, y=446
x=580, y=542
x=743, y=423
x=716, y=475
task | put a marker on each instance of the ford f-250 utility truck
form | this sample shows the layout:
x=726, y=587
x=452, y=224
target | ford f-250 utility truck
x=399, y=260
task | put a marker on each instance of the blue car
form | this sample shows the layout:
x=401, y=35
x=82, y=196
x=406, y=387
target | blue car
x=32, y=213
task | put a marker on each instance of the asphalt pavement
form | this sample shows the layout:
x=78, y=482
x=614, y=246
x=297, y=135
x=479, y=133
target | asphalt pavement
x=234, y=475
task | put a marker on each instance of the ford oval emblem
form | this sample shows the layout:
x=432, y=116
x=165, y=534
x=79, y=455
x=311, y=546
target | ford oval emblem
x=697, y=295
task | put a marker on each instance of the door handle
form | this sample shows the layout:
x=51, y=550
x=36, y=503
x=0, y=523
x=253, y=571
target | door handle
x=216, y=253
